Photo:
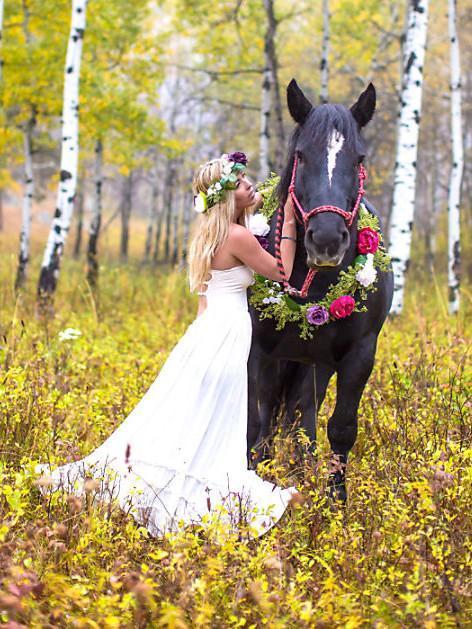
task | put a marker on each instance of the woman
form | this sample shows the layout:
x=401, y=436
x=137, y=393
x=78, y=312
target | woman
x=181, y=453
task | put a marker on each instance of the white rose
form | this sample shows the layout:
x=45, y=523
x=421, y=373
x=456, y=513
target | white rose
x=368, y=274
x=218, y=186
x=200, y=204
x=227, y=168
x=266, y=300
x=258, y=225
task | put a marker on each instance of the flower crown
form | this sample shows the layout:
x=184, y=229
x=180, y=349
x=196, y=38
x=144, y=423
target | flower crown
x=233, y=164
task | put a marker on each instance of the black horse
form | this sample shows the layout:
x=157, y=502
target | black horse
x=283, y=368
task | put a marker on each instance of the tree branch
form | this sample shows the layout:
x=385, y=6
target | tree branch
x=221, y=101
x=218, y=72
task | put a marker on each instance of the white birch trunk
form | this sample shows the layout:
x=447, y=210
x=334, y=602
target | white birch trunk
x=403, y=204
x=69, y=154
x=264, y=136
x=271, y=58
x=324, y=65
x=455, y=180
x=25, y=233
x=96, y=218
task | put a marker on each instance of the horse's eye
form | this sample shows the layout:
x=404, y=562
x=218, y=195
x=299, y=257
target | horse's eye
x=360, y=159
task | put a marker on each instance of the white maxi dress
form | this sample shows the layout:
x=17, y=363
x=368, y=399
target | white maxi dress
x=181, y=452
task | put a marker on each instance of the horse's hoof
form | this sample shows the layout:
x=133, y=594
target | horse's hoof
x=337, y=488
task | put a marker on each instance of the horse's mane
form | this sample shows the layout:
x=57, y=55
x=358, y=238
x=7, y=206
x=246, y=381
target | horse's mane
x=315, y=131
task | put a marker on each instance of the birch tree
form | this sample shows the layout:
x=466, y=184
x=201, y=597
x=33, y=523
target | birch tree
x=272, y=60
x=152, y=216
x=69, y=155
x=80, y=205
x=158, y=236
x=264, y=133
x=25, y=231
x=96, y=218
x=126, y=207
x=187, y=205
x=175, y=225
x=168, y=201
x=119, y=80
x=457, y=164
x=324, y=64
x=407, y=147
x=28, y=192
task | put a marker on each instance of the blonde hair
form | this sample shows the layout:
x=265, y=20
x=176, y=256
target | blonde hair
x=211, y=228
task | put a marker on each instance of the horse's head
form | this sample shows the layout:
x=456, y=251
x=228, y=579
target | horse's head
x=327, y=149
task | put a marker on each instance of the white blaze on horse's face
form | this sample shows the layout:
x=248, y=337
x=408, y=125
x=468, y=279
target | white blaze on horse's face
x=335, y=144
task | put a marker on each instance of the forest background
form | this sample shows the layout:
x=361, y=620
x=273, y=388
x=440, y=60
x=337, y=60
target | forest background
x=165, y=86
x=162, y=90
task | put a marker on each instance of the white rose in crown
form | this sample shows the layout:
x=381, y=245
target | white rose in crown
x=227, y=167
x=258, y=225
x=200, y=203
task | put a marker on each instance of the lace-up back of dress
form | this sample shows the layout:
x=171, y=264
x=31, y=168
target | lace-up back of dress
x=228, y=286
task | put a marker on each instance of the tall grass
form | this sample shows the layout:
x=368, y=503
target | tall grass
x=399, y=554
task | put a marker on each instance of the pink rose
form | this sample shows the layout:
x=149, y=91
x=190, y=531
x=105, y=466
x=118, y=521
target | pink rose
x=367, y=240
x=342, y=307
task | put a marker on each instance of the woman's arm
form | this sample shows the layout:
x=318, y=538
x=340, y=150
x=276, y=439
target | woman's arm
x=288, y=243
x=245, y=247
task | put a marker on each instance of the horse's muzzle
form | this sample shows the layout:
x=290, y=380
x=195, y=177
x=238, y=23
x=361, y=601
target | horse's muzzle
x=321, y=262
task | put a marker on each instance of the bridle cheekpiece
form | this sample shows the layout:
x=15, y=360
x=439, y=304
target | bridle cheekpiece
x=302, y=216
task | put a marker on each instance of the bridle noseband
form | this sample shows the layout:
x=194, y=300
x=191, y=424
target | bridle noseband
x=302, y=216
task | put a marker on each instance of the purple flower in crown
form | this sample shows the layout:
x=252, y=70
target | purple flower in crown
x=263, y=241
x=238, y=158
x=317, y=315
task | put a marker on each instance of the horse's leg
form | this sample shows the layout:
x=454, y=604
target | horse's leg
x=315, y=391
x=300, y=396
x=353, y=372
x=253, y=420
x=263, y=403
x=323, y=375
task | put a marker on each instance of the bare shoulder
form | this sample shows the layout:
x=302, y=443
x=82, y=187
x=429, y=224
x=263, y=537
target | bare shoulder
x=243, y=242
x=238, y=233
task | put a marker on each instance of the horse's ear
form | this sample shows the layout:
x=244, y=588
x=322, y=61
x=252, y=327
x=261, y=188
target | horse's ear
x=364, y=108
x=298, y=104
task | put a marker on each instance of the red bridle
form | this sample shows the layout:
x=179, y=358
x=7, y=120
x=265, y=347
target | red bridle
x=304, y=218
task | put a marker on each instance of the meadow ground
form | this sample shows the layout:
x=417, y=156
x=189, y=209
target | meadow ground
x=399, y=554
